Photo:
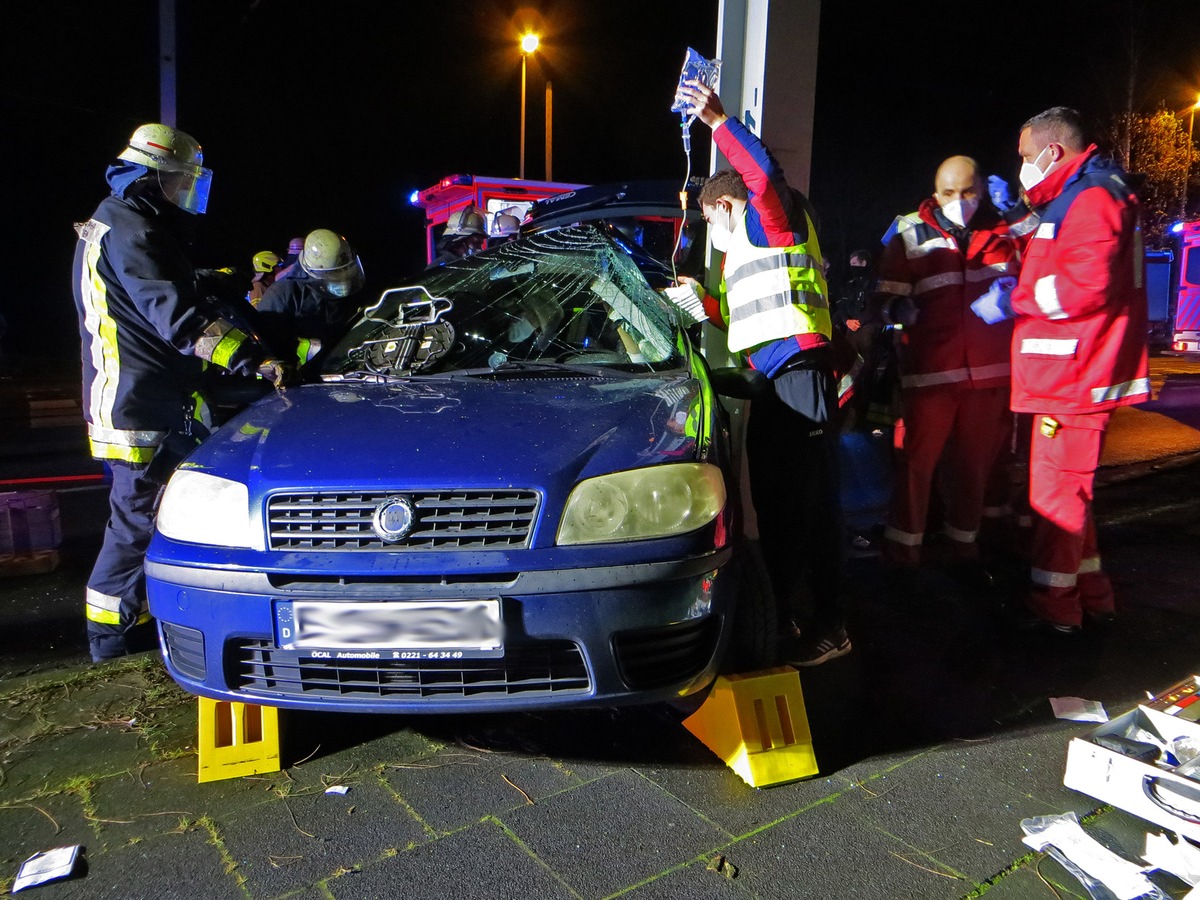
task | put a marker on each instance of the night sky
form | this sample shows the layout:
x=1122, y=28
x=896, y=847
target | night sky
x=331, y=114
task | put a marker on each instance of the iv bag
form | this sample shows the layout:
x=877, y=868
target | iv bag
x=696, y=68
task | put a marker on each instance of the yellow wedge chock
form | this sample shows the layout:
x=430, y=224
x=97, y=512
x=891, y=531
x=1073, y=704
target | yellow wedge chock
x=757, y=724
x=236, y=739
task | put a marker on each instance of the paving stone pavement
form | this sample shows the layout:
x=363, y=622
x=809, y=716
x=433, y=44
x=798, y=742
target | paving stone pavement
x=934, y=737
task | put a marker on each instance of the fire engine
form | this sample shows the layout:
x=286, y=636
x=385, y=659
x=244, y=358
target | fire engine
x=491, y=196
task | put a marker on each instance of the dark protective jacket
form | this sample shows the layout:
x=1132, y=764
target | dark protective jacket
x=297, y=308
x=145, y=325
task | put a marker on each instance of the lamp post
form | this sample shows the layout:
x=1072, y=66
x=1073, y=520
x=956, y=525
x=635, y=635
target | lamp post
x=529, y=43
x=1188, y=170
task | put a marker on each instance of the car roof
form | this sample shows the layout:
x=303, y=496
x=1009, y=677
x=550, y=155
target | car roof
x=620, y=199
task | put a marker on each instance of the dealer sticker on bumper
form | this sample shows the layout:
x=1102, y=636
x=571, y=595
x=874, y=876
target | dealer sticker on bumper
x=433, y=629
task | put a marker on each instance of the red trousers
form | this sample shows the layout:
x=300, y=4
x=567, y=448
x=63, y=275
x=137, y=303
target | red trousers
x=1066, y=574
x=962, y=429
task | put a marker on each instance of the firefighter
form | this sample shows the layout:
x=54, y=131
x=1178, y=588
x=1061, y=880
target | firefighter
x=954, y=370
x=266, y=264
x=775, y=305
x=1078, y=352
x=314, y=305
x=464, y=235
x=505, y=228
x=147, y=322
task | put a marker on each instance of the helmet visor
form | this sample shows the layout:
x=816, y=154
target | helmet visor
x=341, y=281
x=186, y=186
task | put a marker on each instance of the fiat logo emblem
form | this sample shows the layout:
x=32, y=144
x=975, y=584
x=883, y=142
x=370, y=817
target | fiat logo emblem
x=393, y=519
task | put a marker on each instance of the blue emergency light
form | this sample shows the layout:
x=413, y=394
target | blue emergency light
x=1176, y=228
x=414, y=197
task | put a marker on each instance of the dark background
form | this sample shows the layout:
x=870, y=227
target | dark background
x=330, y=115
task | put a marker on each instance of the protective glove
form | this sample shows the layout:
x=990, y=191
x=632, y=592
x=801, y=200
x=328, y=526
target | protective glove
x=277, y=371
x=227, y=285
x=1000, y=193
x=996, y=303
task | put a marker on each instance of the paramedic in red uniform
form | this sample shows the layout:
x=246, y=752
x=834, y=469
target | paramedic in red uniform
x=774, y=304
x=954, y=369
x=1078, y=352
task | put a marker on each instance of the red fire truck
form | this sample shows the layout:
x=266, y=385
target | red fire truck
x=491, y=196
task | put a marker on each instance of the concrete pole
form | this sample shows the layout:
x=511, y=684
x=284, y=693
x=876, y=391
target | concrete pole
x=166, y=62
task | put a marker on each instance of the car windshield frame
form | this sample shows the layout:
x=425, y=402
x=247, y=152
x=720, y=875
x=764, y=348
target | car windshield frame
x=569, y=298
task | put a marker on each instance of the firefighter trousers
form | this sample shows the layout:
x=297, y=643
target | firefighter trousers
x=1065, y=562
x=962, y=429
x=116, y=593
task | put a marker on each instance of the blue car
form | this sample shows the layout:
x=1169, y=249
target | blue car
x=509, y=487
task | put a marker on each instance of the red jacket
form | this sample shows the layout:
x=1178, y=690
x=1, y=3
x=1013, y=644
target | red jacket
x=949, y=344
x=1079, y=345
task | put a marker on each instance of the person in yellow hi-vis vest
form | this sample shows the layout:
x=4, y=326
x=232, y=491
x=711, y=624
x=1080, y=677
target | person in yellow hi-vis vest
x=774, y=305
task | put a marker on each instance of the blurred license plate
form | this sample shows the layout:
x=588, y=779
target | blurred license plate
x=433, y=629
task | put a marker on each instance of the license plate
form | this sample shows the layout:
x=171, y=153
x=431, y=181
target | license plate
x=424, y=629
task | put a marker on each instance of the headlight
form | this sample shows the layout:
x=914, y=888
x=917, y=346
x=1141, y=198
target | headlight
x=642, y=503
x=204, y=509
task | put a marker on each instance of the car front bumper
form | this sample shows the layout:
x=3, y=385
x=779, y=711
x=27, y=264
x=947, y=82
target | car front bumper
x=600, y=635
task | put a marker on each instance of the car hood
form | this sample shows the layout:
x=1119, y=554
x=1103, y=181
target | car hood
x=524, y=431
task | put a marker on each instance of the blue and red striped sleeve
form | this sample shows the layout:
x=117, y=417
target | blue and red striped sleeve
x=769, y=213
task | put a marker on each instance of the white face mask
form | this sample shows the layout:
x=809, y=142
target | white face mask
x=1030, y=174
x=960, y=211
x=719, y=232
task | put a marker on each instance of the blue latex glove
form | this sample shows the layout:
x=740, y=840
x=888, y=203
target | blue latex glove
x=1000, y=193
x=996, y=304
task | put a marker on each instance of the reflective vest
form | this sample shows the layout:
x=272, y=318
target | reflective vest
x=774, y=292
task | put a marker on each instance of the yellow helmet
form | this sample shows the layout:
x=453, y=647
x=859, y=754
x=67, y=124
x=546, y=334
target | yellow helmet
x=265, y=261
x=177, y=158
x=329, y=258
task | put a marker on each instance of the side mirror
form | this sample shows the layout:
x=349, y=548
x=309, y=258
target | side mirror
x=741, y=383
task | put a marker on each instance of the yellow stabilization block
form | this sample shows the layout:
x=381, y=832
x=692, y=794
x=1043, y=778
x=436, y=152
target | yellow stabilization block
x=237, y=739
x=756, y=722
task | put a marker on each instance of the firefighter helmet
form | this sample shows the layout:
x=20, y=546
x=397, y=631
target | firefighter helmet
x=266, y=261
x=177, y=158
x=329, y=258
x=505, y=225
x=465, y=221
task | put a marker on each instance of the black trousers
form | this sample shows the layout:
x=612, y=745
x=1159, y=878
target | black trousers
x=792, y=455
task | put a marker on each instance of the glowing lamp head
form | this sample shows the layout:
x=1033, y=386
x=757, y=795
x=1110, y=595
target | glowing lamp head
x=529, y=42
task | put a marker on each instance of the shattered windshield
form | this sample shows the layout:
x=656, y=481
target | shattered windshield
x=568, y=297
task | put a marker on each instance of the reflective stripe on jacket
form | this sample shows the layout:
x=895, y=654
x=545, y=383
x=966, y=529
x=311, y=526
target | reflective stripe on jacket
x=1079, y=344
x=139, y=318
x=949, y=344
x=774, y=292
x=773, y=286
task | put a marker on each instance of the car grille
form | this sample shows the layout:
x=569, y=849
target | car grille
x=654, y=657
x=547, y=667
x=185, y=650
x=443, y=520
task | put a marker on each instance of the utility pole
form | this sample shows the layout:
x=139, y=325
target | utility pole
x=167, y=113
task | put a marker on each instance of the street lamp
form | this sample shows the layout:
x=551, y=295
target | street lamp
x=529, y=43
x=1188, y=171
